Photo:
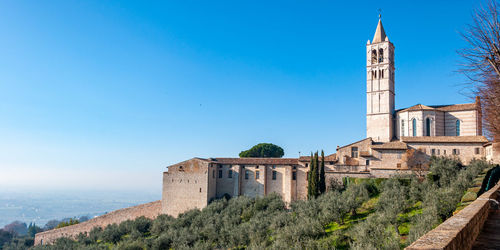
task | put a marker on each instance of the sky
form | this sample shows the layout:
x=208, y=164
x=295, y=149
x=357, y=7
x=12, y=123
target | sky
x=104, y=95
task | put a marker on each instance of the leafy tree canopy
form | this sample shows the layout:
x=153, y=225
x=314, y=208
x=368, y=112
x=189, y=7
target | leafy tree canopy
x=266, y=150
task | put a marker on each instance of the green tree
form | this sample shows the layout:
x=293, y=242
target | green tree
x=313, y=177
x=393, y=201
x=264, y=150
x=310, y=184
x=33, y=229
x=322, y=182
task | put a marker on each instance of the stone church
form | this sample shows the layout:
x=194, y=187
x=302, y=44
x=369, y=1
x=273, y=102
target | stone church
x=397, y=141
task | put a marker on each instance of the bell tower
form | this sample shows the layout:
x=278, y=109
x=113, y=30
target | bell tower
x=380, y=86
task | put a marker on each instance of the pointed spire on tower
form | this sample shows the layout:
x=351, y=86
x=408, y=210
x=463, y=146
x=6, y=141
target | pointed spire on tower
x=380, y=32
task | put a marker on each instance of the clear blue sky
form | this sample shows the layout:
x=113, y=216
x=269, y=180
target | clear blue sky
x=108, y=93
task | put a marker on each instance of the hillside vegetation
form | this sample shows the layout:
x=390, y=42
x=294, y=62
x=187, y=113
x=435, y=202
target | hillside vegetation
x=366, y=214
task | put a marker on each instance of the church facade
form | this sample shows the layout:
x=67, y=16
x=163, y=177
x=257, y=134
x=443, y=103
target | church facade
x=397, y=141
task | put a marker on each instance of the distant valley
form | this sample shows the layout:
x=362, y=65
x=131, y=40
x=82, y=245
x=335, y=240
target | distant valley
x=41, y=206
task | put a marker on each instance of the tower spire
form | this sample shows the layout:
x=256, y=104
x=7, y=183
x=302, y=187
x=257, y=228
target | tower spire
x=380, y=32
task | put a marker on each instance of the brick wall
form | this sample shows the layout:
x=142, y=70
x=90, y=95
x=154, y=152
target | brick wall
x=148, y=210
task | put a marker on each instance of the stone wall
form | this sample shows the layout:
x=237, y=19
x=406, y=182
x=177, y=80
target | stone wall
x=251, y=186
x=466, y=151
x=277, y=185
x=468, y=122
x=461, y=230
x=384, y=158
x=226, y=180
x=387, y=173
x=187, y=185
x=148, y=210
x=344, y=153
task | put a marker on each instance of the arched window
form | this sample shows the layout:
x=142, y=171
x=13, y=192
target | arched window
x=457, y=127
x=380, y=55
x=382, y=74
x=428, y=127
x=414, y=126
x=402, y=127
x=374, y=56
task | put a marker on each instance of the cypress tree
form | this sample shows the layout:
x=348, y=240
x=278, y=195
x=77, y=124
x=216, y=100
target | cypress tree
x=315, y=176
x=322, y=181
x=310, y=181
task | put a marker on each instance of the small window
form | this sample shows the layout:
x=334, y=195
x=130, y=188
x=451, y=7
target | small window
x=455, y=151
x=242, y=166
x=414, y=126
x=367, y=162
x=438, y=151
x=374, y=56
x=381, y=55
x=354, y=152
x=428, y=127
x=274, y=175
x=444, y=152
x=433, y=151
x=220, y=173
x=398, y=165
x=257, y=167
x=213, y=173
x=477, y=151
x=220, y=166
x=230, y=174
x=307, y=165
x=257, y=175
x=294, y=175
x=274, y=166
x=246, y=174
x=402, y=127
x=200, y=190
x=294, y=167
x=457, y=127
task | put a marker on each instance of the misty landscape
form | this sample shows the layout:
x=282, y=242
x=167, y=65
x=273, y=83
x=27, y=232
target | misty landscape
x=43, y=206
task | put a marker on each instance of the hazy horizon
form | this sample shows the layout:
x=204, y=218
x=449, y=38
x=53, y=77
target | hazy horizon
x=105, y=95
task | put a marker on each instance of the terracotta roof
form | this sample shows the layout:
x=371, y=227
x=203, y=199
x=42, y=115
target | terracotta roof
x=369, y=138
x=332, y=157
x=391, y=145
x=252, y=161
x=416, y=108
x=456, y=107
x=444, y=139
x=452, y=107
x=365, y=153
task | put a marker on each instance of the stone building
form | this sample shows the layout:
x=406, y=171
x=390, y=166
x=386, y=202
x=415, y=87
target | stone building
x=397, y=141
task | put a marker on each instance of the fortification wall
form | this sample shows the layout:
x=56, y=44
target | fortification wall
x=461, y=230
x=148, y=210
